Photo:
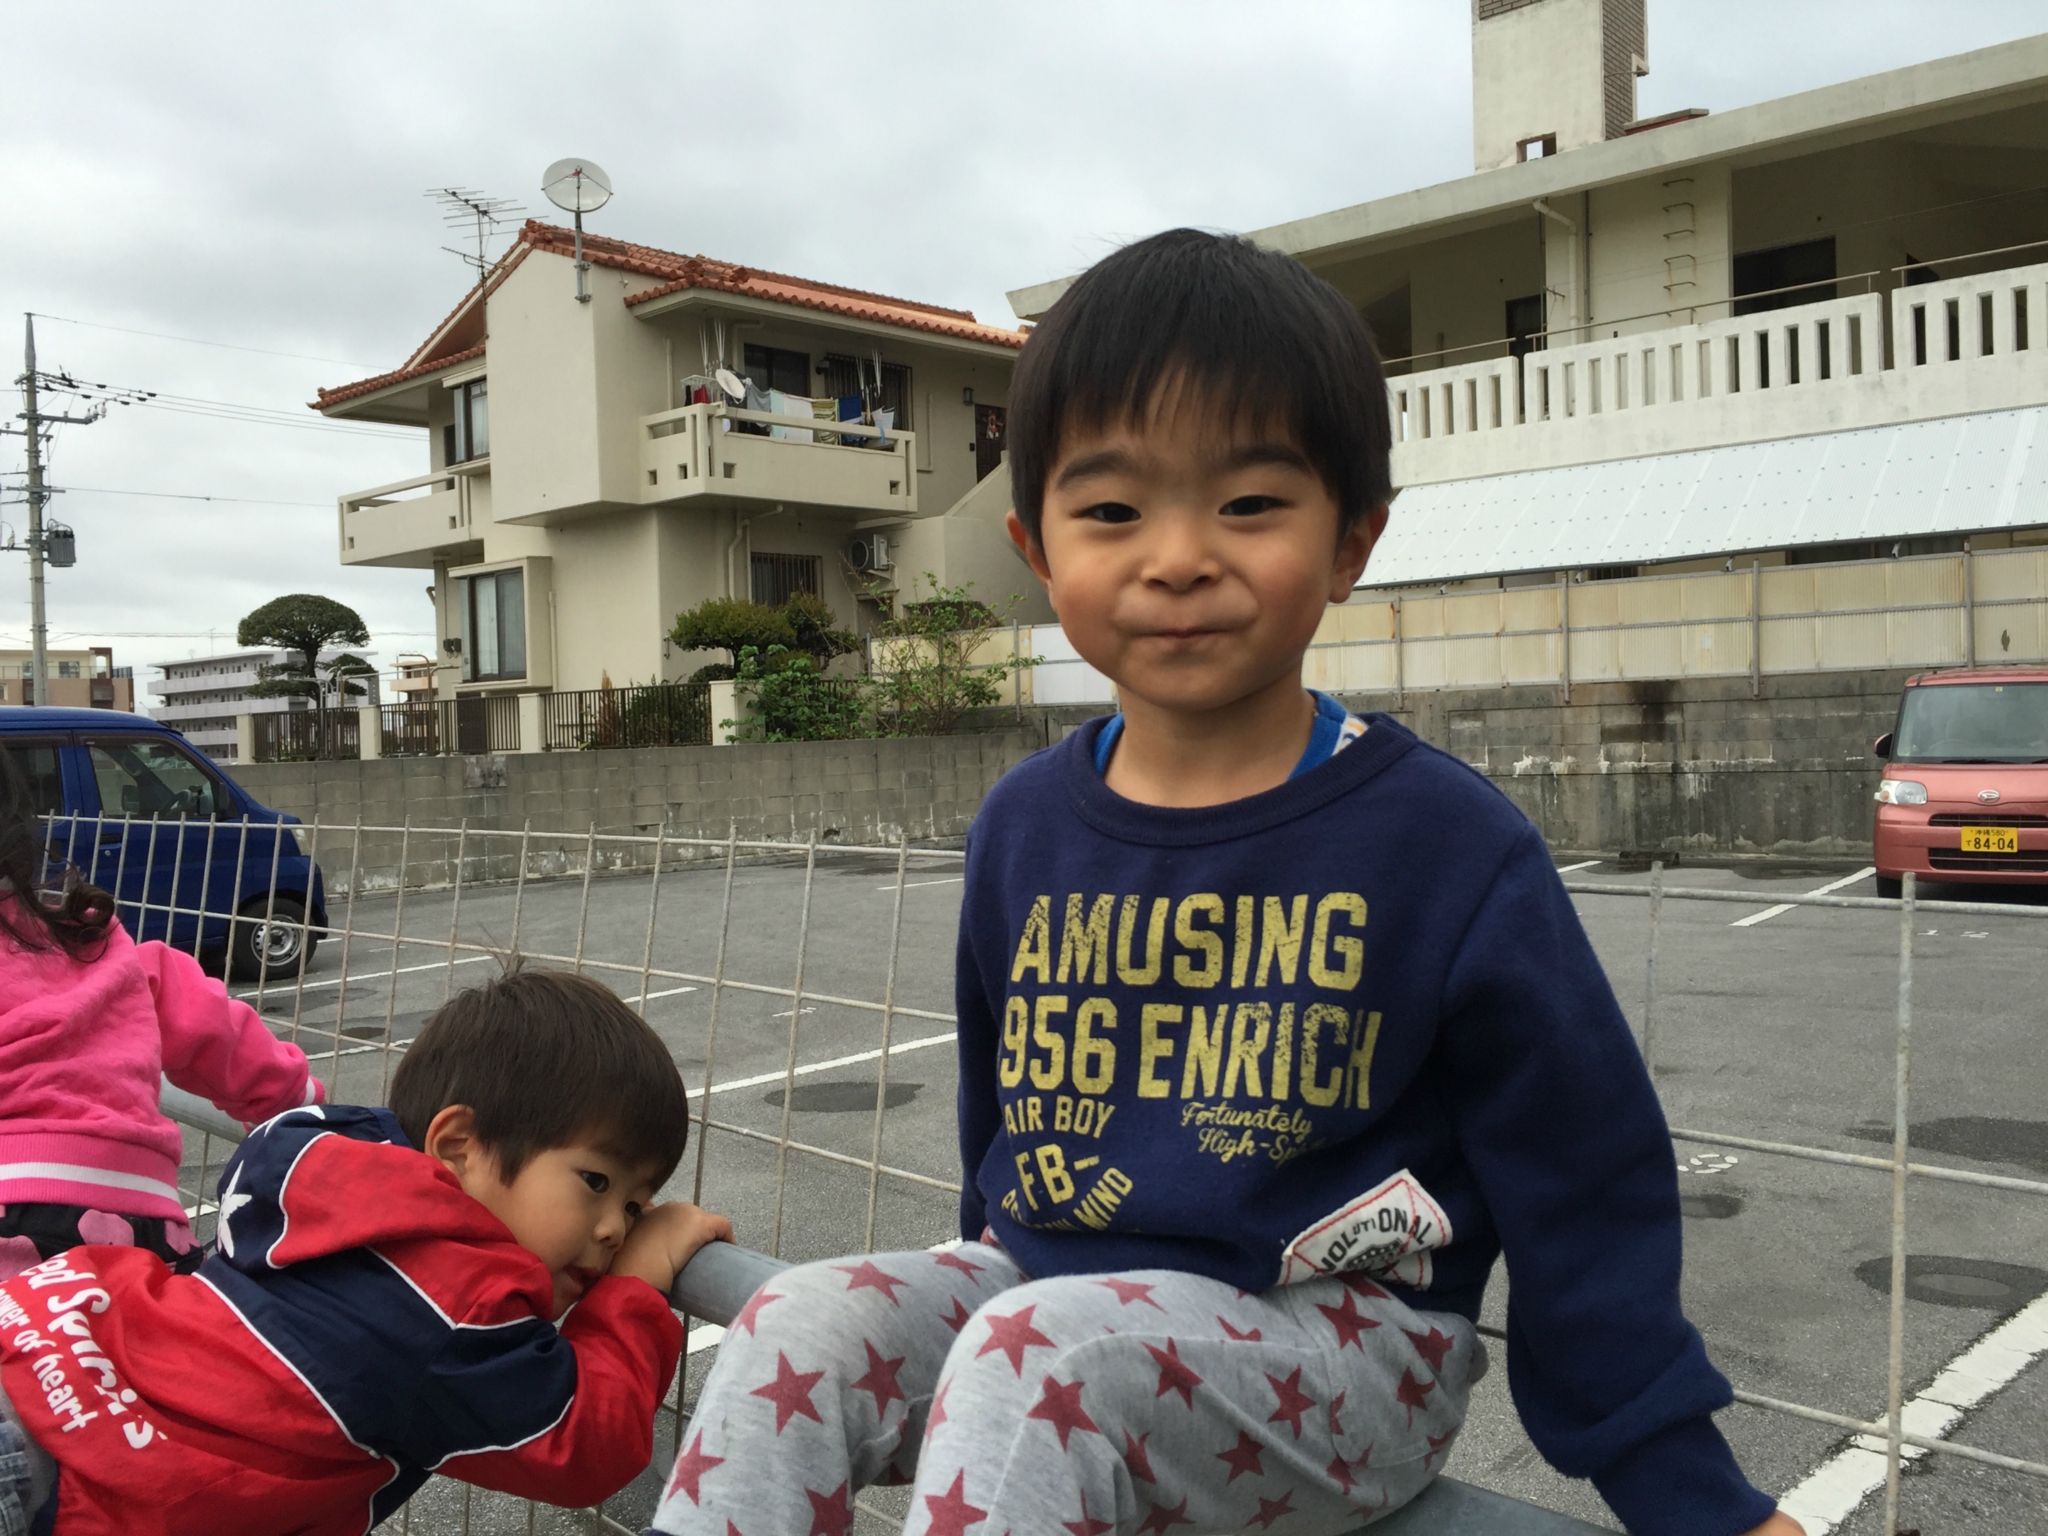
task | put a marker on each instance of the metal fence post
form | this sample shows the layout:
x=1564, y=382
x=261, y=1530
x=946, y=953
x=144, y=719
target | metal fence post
x=1650, y=965
x=1564, y=632
x=1901, y=1093
x=1400, y=668
x=1969, y=606
x=1756, y=629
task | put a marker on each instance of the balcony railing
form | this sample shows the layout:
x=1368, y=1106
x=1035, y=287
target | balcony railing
x=409, y=521
x=1955, y=346
x=655, y=715
x=698, y=450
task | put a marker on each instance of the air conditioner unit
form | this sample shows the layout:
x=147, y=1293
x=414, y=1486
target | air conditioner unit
x=869, y=553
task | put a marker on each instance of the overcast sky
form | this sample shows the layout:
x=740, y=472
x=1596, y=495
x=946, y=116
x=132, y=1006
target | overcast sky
x=250, y=176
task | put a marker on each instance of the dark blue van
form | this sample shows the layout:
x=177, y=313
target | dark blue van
x=187, y=853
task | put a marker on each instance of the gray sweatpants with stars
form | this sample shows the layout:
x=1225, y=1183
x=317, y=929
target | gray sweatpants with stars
x=1154, y=1401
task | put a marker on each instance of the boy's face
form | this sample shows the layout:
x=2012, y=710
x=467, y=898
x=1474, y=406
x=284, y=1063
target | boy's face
x=1189, y=559
x=570, y=1207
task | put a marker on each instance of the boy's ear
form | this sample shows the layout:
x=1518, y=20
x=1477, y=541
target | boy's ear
x=1353, y=550
x=1028, y=547
x=452, y=1142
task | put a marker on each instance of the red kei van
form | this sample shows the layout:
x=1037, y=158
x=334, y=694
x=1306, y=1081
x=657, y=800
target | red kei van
x=1965, y=789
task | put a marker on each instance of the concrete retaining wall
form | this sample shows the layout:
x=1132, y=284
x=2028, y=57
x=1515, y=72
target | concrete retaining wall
x=1694, y=767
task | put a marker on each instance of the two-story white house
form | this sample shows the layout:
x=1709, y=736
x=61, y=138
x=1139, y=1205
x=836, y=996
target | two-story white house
x=589, y=478
x=1790, y=347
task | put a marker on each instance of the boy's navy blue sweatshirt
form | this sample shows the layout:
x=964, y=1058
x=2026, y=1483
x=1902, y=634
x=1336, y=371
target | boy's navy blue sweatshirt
x=1351, y=1024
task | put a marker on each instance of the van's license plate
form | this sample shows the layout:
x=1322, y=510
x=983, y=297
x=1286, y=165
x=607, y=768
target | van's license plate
x=1991, y=839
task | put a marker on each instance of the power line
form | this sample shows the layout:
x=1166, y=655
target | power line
x=254, y=501
x=195, y=341
x=256, y=415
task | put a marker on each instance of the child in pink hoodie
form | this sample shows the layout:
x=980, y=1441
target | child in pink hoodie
x=89, y=1021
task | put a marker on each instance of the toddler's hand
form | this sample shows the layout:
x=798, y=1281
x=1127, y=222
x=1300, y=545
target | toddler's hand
x=1780, y=1524
x=665, y=1238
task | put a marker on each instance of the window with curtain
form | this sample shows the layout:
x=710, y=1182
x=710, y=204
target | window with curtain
x=494, y=626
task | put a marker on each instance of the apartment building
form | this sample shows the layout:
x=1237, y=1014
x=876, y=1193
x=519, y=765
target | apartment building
x=589, y=478
x=86, y=679
x=202, y=695
x=1812, y=331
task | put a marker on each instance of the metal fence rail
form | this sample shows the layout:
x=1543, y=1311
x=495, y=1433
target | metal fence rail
x=640, y=715
x=449, y=864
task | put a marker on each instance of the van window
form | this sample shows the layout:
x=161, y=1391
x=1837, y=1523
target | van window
x=38, y=764
x=139, y=777
x=1973, y=723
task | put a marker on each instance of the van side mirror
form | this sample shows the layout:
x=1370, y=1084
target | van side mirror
x=1882, y=747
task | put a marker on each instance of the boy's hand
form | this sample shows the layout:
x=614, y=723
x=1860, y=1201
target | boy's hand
x=1780, y=1524
x=666, y=1237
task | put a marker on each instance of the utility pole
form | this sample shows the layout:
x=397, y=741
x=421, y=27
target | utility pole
x=38, y=619
x=33, y=424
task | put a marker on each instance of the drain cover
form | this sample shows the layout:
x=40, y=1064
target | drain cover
x=842, y=1098
x=1945, y=1281
x=1715, y=1207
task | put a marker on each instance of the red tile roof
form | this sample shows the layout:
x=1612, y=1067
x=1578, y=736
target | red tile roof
x=674, y=273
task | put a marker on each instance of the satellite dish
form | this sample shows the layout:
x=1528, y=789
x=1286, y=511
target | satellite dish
x=732, y=384
x=576, y=186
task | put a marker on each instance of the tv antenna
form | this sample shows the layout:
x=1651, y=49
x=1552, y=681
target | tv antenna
x=577, y=186
x=466, y=206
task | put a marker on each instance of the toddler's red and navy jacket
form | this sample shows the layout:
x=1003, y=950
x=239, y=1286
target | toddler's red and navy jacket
x=364, y=1323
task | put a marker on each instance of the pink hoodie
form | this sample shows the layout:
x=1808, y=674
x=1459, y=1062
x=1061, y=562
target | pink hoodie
x=82, y=1045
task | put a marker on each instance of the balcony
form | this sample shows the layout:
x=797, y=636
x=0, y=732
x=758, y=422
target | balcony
x=1954, y=347
x=417, y=522
x=695, y=452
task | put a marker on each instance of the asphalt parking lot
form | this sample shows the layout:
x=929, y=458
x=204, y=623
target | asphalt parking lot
x=1780, y=1029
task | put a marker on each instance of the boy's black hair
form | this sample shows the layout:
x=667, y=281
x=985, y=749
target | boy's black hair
x=1254, y=334
x=546, y=1059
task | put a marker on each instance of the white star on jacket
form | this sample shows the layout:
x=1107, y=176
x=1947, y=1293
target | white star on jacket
x=230, y=1202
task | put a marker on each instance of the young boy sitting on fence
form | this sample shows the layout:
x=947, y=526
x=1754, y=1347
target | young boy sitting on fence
x=1277, y=1029
x=388, y=1298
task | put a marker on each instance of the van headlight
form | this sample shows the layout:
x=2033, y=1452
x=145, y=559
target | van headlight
x=1901, y=792
x=302, y=840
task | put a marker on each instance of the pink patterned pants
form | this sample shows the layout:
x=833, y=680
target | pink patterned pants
x=1155, y=1401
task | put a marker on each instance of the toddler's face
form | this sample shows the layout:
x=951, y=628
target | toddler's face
x=1191, y=560
x=571, y=1207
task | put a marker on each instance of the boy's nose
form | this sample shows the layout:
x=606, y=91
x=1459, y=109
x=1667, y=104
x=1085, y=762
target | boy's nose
x=1179, y=557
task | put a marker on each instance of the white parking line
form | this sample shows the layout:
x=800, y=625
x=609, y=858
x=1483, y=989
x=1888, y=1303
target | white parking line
x=837, y=1061
x=1572, y=869
x=911, y=885
x=281, y=990
x=1835, y=1489
x=1826, y=890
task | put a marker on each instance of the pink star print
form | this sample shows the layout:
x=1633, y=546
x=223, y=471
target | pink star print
x=1087, y=1525
x=1272, y=1509
x=1241, y=1458
x=1013, y=1335
x=957, y=1319
x=1350, y=1323
x=1412, y=1394
x=1437, y=1443
x=790, y=1392
x=1175, y=1374
x=880, y=1380
x=951, y=1513
x=1160, y=1519
x=1249, y=1336
x=952, y=1260
x=752, y=1310
x=1061, y=1408
x=1128, y=1291
x=1432, y=1346
x=690, y=1469
x=1135, y=1459
x=1293, y=1402
x=831, y=1513
x=866, y=1275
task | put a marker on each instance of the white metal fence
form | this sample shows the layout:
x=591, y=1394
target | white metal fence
x=406, y=947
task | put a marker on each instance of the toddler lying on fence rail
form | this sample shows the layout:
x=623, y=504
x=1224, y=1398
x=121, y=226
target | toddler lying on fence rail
x=391, y=1296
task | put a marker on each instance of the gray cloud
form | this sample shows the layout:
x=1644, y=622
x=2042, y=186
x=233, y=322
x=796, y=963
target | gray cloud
x=251, y=174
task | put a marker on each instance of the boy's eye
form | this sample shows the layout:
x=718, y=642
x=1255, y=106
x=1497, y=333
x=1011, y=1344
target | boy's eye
x=598, y=1182
x=632, y=1210
x=1251, y=506
x=1111, y=512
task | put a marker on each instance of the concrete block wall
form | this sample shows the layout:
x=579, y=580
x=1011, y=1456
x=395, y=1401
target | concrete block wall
x=845, y=791
x=1694, y=766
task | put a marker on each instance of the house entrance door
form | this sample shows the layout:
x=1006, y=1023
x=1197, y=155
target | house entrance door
x=989, y=439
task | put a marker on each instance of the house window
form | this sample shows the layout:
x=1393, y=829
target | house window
x=494, y=627
x=779, y=368
x=778, y=578
x=70, y=669
x=468, y=436
x=1541, y=147
x=857, y=376
x=1525, y=324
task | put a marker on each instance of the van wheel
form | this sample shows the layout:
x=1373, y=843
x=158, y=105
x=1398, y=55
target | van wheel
x=260, y=951
x=1890, y=887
